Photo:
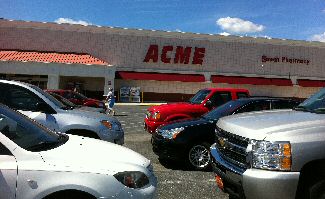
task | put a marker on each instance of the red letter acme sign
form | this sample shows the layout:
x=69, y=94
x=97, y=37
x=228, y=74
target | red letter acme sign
x=178, y=55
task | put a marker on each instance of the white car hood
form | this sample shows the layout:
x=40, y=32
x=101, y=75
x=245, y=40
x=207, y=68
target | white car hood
x=91, y=155
x=259, y=125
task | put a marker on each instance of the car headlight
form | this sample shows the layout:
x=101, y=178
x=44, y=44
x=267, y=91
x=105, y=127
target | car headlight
x=148, y=114
x=155, y=116
x=132, y=179
x=171, y=133
x=271, y=155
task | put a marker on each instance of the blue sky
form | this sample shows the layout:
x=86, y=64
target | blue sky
x=285, y=19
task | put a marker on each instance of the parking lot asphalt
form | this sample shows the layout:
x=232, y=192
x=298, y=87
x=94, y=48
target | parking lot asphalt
x=174, y=179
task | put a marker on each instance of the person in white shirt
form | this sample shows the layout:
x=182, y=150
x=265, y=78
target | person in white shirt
x=110, y=98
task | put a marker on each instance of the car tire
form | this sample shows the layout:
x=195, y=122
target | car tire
x=317, y=190
x=312, y=185
x=199, y=157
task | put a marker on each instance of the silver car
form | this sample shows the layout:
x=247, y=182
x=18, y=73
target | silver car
x=36, y=162
x=44, y=108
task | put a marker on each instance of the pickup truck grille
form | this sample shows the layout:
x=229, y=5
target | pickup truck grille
x=232, y=147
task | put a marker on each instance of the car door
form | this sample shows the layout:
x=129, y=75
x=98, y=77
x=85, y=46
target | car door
x=28, y=103
x=8, y=173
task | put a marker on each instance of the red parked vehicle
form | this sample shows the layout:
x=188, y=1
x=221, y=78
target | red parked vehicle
x=79, y=99
x=203, y=101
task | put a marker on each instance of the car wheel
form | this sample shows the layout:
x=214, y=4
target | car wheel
x=312, y=182
x=199, y=156
x=315, y=190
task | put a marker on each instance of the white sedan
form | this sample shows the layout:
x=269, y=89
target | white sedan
x=38, y=163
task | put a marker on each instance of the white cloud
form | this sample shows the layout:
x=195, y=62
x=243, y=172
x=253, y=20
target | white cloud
x=178, y=30
x=224, y=34
x=237, y=25
x=71, y=21
x=318, y=37
x=267, y=37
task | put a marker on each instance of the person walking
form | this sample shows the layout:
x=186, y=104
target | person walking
x=110, y=99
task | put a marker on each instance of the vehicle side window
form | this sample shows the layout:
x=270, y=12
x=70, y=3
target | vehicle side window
x=4, y=150
x=241, y=95
x=67, y=95
x=22, y=99
x=255, y=106
x=76, y=96
x=3, y=91
x=284, y=104
x=220, y=98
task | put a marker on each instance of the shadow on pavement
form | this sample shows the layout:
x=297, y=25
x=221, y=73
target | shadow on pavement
x=178, y=165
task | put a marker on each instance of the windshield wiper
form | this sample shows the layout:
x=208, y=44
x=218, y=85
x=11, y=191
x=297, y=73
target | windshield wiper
x=301, y=108
x=62, y=137
x=44, y=145
x=319, y=110
x=68, y=108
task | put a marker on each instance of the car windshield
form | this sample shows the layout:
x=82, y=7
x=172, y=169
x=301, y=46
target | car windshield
x=49, y=97
x=315, y=104
x=225, y=109
x=79, y=96
x=64, y=101
x=26, y=133
x=199, y=96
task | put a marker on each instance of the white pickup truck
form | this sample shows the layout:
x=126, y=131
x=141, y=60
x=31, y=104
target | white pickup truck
x=273, y=154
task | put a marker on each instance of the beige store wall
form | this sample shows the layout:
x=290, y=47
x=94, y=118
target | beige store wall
x=192, y=88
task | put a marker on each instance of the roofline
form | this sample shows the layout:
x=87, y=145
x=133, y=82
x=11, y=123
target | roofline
x=157, y=33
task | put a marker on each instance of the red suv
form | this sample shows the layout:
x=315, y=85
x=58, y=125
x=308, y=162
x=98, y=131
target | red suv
x=203, y=101
x=79, y=99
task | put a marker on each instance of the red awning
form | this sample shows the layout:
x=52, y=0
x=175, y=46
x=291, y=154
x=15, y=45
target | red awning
x=251, y=80
x=160, y=76
x=311, y=83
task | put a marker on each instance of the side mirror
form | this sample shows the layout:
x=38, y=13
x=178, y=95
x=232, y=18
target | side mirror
x=208, y=104
x=44, y=108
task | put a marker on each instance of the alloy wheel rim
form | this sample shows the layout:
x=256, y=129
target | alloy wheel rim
x=199, y=156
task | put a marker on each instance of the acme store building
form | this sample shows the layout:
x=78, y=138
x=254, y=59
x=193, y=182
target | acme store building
x=168, y=66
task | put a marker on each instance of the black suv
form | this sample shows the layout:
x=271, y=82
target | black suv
x=190, y=140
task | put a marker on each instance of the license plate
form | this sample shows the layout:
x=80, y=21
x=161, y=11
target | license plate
x=219, y=182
